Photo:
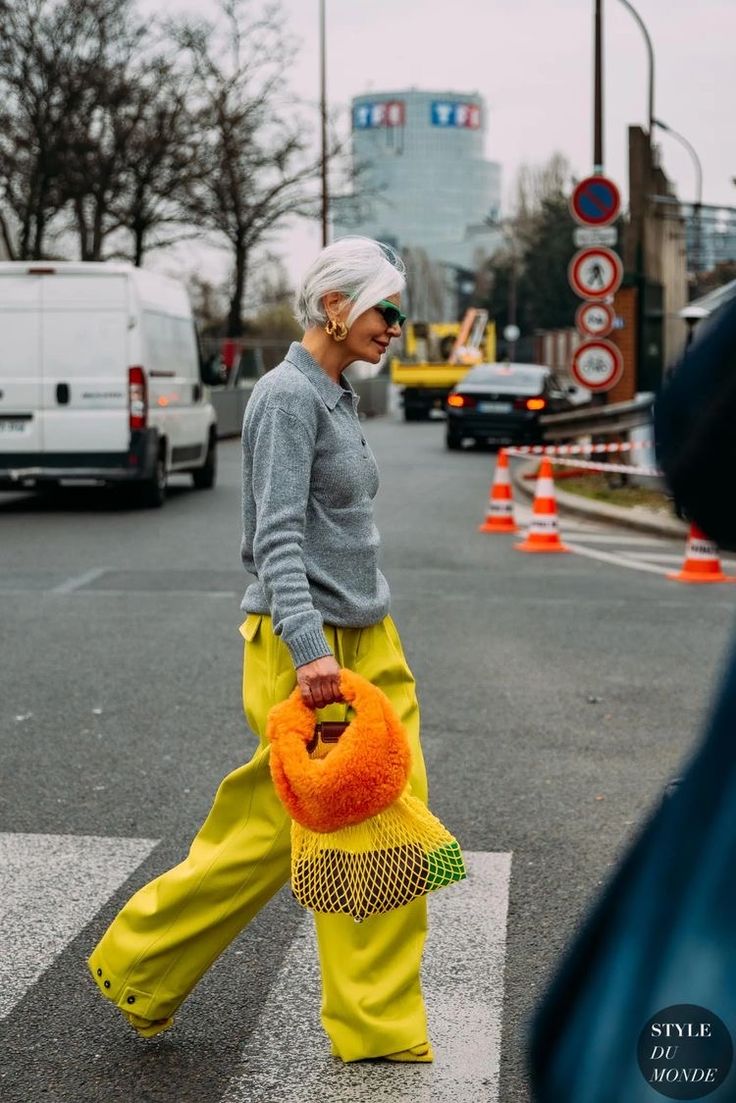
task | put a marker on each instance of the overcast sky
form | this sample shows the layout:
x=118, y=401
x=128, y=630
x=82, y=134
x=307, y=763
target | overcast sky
x=531, y=60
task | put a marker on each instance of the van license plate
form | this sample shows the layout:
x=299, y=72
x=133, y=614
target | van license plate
x=9, y=427
x=494, y=407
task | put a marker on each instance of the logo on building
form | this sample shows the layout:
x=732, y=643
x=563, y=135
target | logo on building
x=452, y=114
x=366, y=116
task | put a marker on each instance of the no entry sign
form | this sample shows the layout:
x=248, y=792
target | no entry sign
x=595, y=319
x=596, y=201
x=597, y=365
x=595, y=273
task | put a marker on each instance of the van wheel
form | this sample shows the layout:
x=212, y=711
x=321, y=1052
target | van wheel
x=204, y=477
x=152, y=492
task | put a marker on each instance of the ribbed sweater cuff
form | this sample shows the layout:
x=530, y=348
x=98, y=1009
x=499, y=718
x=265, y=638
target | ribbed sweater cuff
x=308, y=646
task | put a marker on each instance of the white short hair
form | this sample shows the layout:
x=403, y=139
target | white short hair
x=363, y=270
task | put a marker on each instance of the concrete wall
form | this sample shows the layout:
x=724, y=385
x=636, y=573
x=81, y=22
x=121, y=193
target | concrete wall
x=654, y=242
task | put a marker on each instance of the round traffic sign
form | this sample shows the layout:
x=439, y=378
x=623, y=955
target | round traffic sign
x=595, y=319
x=595, y=273
x=597, y=365
x=595, y=201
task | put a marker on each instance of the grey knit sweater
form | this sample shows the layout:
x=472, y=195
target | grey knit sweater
x=309, y=480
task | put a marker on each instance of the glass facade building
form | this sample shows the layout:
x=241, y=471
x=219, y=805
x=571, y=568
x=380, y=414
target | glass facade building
x=710, y=234
x=422, y=181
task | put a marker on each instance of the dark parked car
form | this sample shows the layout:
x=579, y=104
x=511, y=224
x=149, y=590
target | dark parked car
x=502, y=404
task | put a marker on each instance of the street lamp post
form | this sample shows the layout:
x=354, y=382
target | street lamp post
x=641, y=256
x=598, y=87
x=323, y=113
x=697, y=206
x=650, y=53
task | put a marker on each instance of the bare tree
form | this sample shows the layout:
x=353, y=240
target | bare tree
x=539, y=184
x=526, y=280
x=157, y=155
x=252, y=148
x=109, y=112
x=134, y=164
x=92, y=123
x=425, y=286
x=68, y=96
x=39, y=37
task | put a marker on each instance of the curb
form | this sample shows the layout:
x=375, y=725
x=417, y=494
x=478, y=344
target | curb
x=634, y=517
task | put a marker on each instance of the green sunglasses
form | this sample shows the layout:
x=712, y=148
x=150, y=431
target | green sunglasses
x=390, y=313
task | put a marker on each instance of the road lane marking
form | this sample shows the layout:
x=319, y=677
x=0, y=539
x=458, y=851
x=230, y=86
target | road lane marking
x=727, y=564
x=288, y=1055
x=178, y=594
x=664, y=557
x=51, y=886
x=69, y=585
x=617, y=560
x=613, y=538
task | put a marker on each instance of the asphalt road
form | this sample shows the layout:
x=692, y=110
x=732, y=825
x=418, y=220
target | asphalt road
x=559, y=695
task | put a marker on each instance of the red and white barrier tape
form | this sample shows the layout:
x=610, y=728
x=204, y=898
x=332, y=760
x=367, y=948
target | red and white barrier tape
x=589, y=465
x=576, y=449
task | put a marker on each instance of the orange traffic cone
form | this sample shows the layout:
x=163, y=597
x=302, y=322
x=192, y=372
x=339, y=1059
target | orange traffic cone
x=500, y=512
x=702, y=562
x=543, y=534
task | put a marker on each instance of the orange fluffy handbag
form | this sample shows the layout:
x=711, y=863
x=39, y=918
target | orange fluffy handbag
x=361, y=844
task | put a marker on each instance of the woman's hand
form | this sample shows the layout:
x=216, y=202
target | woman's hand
x=319, y=682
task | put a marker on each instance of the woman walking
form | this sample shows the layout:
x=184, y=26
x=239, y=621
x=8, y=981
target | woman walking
x=319, y=603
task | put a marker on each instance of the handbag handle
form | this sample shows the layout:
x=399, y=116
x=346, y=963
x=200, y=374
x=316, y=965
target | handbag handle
x=365, y=773
x=327, y=731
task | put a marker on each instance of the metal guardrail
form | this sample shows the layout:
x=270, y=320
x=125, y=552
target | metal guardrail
x=619, y=417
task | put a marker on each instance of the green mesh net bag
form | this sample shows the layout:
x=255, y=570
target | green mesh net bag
x=361, y=843
x=374, y=866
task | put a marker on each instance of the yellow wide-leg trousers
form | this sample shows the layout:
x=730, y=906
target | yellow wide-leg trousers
x=171, y=931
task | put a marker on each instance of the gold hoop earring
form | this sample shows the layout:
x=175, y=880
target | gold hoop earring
x=337, y=330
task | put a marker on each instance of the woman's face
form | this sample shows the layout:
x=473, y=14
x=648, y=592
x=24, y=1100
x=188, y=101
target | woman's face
x=370, y=336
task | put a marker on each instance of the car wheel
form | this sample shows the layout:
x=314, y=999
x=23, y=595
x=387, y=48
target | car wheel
x=204, y=477
x=453, y=442
x=412, y=415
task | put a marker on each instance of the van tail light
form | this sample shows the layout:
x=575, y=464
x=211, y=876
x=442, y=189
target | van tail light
x=460, y=401
x=137, y=399
x=535, y=404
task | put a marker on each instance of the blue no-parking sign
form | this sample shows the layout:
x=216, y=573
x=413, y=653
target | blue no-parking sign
x=596, y=201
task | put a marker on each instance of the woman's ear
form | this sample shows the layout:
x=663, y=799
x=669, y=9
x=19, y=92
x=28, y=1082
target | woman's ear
x=335, y=304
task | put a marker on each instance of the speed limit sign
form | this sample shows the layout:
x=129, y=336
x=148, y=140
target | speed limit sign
x=597, y=365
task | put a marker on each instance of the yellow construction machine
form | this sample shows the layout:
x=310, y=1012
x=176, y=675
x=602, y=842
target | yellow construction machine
x=437, y=356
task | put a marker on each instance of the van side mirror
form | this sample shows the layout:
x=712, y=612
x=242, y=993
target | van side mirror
x=212, y=371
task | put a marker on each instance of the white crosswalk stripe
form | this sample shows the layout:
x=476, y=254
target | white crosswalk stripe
x=51, y=886
x=288, y=1056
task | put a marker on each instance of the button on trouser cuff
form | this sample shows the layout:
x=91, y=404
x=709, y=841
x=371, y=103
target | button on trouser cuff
x=127, y=998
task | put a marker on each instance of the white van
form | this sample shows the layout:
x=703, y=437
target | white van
x=100, y=379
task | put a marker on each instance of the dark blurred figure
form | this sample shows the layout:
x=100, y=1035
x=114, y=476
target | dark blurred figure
x=664, y=931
